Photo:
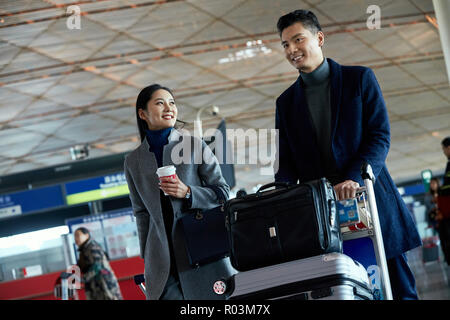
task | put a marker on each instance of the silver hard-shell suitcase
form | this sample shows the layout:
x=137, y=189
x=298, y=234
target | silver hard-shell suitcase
x=332, y=276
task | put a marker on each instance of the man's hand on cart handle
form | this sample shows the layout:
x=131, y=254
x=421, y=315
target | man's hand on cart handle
x=346, y=189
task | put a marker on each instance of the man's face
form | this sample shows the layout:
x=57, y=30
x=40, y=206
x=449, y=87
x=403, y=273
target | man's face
x=446, y=151
x=302, y=48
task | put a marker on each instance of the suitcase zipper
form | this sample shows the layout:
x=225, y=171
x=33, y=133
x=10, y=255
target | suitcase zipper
x=298, y=203
x=262, y=196
x=227, y=219
x=316, y=285
x=325, y=213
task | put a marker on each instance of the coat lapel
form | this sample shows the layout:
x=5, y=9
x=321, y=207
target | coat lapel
x=147, y=170
x=335, y=94
x=173, y=140
x=148, y=162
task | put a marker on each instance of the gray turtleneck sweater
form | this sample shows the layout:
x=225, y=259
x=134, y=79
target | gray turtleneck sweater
x=317, y=91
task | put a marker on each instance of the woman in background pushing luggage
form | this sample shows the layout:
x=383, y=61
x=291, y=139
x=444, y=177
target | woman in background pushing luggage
x=100, y=283
x=158, y=207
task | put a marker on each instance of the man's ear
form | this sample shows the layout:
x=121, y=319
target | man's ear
x=321, y=38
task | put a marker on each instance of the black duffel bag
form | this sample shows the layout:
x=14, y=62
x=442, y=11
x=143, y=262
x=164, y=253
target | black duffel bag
x=293, y=221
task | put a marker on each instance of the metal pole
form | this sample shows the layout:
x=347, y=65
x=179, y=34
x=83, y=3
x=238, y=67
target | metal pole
x=442, y=11
x=198, y=130
x=198, y=123
x=69, y=253
x=369, y=177
x=64, y=286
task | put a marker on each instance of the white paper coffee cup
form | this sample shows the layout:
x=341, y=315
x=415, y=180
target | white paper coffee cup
x=166, y=172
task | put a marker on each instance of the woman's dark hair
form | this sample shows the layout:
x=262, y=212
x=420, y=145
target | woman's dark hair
x=83, y=230
x=306, y=17
x=438, y=184
x=86, y=231
x=141, y=103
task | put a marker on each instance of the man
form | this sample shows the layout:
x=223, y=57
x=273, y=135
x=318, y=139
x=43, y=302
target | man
x=446, y=149
x=443, y=203
x=330, y=121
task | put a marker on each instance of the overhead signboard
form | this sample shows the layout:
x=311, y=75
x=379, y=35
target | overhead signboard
x=98, y=188
x=30, y=201
x=115, y=231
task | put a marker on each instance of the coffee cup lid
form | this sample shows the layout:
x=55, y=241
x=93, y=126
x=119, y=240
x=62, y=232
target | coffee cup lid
x=165, y=170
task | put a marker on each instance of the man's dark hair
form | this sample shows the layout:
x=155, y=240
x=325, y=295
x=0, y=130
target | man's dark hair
x=306, y=17
x=446, y=142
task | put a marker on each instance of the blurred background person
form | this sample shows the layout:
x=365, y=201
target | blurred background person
x=443, y=204
x=100, y=282
x=445, y=189
x=430, y=201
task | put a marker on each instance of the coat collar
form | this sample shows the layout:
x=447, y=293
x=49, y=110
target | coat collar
x=174, y=136
x=150, y=162
x=335, y=97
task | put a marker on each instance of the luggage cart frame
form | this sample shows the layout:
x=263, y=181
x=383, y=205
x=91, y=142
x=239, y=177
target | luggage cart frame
x=373, y=231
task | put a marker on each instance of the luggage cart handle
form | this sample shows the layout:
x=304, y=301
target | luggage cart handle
x=273, y=184
x=139, y=278
x=367, y=172
x=360, y=190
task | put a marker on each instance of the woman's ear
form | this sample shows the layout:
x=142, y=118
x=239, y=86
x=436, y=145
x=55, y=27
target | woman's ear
x=142, y=115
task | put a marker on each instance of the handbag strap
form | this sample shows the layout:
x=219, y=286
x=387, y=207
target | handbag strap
x=220, y=195
x=273, y=184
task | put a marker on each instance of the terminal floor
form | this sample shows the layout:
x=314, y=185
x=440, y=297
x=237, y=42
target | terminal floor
x=432, y=278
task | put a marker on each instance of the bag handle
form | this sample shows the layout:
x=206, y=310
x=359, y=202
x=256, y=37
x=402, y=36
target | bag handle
x=220, y=196
x=273, y=184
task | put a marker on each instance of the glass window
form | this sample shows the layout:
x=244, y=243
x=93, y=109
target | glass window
x=32, y=253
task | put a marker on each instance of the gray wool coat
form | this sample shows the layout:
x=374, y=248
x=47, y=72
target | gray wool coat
x=140, y=171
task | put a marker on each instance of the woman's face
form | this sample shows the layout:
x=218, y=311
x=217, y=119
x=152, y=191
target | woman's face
x=161, y=111
x=80, y=238
x=433, y=185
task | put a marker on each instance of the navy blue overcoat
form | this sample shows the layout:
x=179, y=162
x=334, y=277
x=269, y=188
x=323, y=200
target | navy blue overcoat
x=360, y=132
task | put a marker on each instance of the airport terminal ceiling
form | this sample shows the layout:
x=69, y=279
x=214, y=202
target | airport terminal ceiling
x=61, y=86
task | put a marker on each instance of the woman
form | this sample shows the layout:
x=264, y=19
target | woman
x=168, y=274
x=430, y=204
x=100, y=283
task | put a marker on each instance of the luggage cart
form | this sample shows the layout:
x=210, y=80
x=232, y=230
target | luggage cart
x=365, y=236
x=62, y=290
x=364, y=242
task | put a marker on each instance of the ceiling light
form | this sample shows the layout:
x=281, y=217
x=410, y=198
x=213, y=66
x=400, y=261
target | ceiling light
x=254, y=48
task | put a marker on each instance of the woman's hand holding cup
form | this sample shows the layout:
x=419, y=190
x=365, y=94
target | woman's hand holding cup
x=173, y=186
x=170, y=183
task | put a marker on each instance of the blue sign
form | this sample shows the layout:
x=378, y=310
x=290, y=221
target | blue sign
x=98, y=188
x=98, y=217
x=31, y=201
x=412, y=190
x=102, y=182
